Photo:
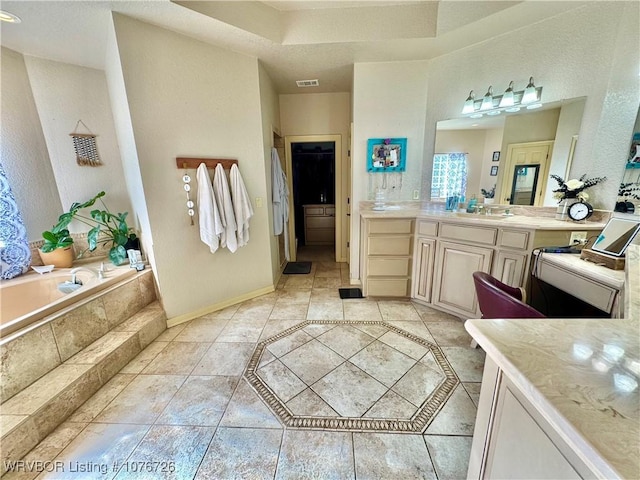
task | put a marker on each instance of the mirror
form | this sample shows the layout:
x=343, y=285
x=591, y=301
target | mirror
x=628, y=200
x=516, y=152
x=616, y=236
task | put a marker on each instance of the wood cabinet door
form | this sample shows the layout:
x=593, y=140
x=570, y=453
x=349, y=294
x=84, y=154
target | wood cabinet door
x=423, y=271
x=454, y=289
x=509, y=268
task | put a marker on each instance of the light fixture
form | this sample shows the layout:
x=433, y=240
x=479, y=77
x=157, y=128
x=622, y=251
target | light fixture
x=507, y=99
x=530, y=94
x=469, y=104
x=510, y=101
x=9, y=17
x=487, y=100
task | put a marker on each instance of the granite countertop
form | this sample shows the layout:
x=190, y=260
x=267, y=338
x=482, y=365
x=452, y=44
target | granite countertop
x=595, y=272
x=415, y=210
x=582, y=375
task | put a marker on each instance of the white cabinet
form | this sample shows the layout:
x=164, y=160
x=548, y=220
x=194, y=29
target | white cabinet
x=319, y=224
x=423, y=270
x=453, y=285
x=509, y=267
x=386, y=257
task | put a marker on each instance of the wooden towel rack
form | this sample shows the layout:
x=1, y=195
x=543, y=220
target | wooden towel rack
x=193, y=163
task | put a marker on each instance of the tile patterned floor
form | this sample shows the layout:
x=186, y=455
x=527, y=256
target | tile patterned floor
x=183, y=410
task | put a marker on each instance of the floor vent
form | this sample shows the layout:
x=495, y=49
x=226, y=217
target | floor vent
x=308, y=83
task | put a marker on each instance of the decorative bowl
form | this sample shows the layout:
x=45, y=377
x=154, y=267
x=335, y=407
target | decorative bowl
x=43, y=268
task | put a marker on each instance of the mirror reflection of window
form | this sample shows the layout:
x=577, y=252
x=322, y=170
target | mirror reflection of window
x=449, y=175
x=524, y=184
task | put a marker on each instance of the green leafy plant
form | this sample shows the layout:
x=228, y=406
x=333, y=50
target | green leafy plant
x=488, y=193
x=56, y=238
x=106, y=227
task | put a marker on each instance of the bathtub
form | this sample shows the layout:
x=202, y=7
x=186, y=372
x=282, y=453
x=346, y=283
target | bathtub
x=30, y=297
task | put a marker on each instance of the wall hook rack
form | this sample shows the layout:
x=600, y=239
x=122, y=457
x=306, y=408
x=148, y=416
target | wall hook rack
x=193, y=163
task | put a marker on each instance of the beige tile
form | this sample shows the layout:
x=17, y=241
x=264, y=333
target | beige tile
x=316, y=329
x=421, y=381
x=171, y=333
x=266, y=358
x=391, y=405
x=321, y=455
x=99, y=350
x=282, y=381
x=80, y=327
x=241, y=453
x=449, y=334
x=185, y=446
x=468, y=363
x=18, y=442
x=242, y=330
x=383, y=363
x=327, y=282
x=473, y=389
x=143, y=400
x=349, y=390
x=122, y=303
x=429, y=314
x=247, y=410
x=311, y=361
x=398, y=310
x=177, y=358
x=225, y=313
x=92, y=407
x=384, y=455
x=345, y=340
x=200, y=401
x=19, y=367
x=324, y=295
x=308, y=403
x=290, y=342
x=362, y=310
x=294, y=296
x=254, y=310
x=299, y=281
x=229, y=359
x=113, y=442
x=144, y=358
x=457, y=416
x=404, y=345
x=373, y=330
x=325, y=311
x=283, y=310
x=415, y=328
x=203, y=329
x=450, y=455
x=9, y=422
x=274, y=327
x=149, y=322
x=147, y=287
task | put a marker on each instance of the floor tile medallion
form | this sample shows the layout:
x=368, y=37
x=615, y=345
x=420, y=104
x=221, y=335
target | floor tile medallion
x=351, y=376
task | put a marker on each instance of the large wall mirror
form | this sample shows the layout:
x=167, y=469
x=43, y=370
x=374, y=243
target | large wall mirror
x=515, y=152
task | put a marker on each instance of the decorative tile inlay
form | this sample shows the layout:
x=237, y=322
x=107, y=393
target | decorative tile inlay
x=373, y=412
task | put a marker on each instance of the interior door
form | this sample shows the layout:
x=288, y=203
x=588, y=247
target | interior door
x=525, y=174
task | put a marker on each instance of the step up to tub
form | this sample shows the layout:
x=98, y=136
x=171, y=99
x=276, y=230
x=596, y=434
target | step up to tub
x=30, y=415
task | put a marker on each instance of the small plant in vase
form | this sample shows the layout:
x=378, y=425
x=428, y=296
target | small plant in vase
x=572, y=191
x=488, y=194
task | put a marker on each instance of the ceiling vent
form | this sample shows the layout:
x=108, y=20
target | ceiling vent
x=308, y=83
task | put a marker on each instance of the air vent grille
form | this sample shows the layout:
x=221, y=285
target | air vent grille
x=308, y=83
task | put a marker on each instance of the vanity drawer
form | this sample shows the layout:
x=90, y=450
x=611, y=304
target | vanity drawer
x=427, y=228
x=388, y=287
x=400, y=225
x=388, y=267
x=331, y=211
x=596, y=294
x=513, y=239
x=320, y=222
x=314, y=210
x=485, y=236
x=389, y=245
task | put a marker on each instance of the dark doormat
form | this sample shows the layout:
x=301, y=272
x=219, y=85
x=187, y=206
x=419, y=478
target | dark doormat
x=297, y=268
x=350, y=293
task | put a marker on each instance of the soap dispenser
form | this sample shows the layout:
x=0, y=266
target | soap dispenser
x=471, y=206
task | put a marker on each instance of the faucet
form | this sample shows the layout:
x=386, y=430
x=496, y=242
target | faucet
x=98, y=273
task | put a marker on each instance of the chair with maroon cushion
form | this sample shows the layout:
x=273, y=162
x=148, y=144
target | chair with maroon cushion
x=498, y=300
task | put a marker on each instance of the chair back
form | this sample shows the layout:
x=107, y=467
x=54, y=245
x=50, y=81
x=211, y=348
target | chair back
x=498, y=300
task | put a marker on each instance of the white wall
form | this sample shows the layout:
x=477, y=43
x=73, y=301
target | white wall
x=63, y=95
x=591, y=51
x=24, y=151
x=493, y=143
x=388, y=101
x=321, y=114
x=187, y=98
x=270, y=108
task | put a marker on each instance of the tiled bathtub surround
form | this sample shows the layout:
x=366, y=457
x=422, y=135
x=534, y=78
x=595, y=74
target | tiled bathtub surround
x=183, y=399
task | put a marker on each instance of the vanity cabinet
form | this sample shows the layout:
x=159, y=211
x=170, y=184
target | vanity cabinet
x=319, y=224
x=423, y=269
x=387, y=257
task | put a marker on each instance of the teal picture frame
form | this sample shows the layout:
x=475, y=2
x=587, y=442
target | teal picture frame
x=386, y=155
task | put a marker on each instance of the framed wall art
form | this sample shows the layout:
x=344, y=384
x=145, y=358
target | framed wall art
x=496, y=156
x=386, y=154
x=494, y=171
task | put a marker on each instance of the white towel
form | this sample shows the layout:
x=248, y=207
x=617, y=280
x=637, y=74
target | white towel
x=210, y=224
x=225, y=206
x=280, y=198
x=241, y=205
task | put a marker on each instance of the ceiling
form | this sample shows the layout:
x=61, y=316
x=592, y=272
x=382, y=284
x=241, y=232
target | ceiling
x=295, y=40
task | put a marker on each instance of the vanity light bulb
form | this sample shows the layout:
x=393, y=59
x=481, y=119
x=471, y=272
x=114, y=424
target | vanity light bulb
x=476, y=115
x=469, y=106
x=533, y=106
x=494, y=112
x=530, y=94
x=507, y=99
x=487, y=100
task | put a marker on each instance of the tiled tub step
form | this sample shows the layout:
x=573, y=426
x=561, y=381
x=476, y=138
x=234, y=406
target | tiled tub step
x=30, y=415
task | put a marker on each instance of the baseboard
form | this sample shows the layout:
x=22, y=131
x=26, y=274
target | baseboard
x=172, y=322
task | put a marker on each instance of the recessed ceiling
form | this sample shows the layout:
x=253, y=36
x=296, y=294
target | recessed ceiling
x=300, y=39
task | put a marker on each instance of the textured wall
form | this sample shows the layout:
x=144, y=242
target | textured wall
x=24, y=152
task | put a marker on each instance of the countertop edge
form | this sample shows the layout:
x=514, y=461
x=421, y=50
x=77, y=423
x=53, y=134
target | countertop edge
x=582, y=447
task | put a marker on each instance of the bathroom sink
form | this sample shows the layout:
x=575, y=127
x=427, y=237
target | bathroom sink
x=477, y=216
x=387, y=208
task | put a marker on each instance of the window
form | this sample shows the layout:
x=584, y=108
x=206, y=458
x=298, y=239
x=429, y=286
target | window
x=449, y=175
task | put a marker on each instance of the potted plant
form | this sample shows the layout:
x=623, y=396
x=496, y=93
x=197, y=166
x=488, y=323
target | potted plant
x=488, y=194
x=57, y=248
